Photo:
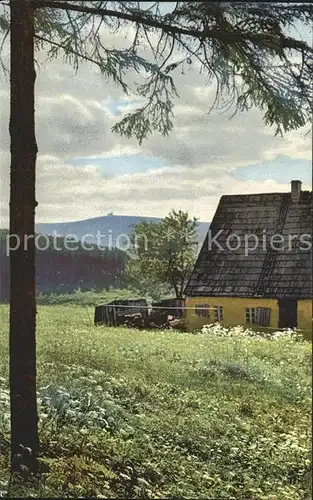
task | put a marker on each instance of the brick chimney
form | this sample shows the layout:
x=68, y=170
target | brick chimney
x=295, y=190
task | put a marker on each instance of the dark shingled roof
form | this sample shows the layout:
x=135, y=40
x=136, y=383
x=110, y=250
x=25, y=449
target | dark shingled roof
x=264, y=272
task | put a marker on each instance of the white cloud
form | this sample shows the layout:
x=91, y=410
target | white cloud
x=68, y=193
x=72, y=121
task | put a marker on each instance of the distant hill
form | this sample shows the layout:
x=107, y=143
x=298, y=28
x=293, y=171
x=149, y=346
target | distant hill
x=112, y=227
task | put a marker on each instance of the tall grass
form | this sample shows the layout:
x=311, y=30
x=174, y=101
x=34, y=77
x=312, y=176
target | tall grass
x=80, y=297
x=133, y=414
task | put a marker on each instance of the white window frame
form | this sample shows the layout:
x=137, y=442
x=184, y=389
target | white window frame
x=218, y=313
x=254, y=316
x=251, y=315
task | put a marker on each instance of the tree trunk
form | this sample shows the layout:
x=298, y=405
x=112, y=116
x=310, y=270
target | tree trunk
x=24, y=417
x=176, y=290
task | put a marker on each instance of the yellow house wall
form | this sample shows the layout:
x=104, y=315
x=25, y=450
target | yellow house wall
x=305, y=315
x=235, y=311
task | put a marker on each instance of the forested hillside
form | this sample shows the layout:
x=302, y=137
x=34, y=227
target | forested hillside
x=60, y=269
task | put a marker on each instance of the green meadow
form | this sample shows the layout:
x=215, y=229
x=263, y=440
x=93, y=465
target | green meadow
x=163, y=414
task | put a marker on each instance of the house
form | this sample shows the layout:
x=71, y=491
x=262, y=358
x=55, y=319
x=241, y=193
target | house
x=255, y=265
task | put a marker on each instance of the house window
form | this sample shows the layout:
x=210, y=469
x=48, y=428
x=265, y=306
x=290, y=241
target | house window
x=263, y=316
x=251, y=315
x=258, y=316
x=202, y=310
x=218, y=313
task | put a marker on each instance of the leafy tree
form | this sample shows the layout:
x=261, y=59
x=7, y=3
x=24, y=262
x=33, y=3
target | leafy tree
x=245, y=48
x=164, y=252
x=142, y=284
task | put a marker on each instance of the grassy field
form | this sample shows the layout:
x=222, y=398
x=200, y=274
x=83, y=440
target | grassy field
x=137, y=414
x=85, y=298
x=92, y=297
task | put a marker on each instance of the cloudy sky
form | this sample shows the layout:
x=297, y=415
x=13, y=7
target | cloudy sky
x=84, y=170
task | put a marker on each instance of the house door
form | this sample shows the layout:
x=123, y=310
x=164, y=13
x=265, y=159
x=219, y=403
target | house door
x=288, y=313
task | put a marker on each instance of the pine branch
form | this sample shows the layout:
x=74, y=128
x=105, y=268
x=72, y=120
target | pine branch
x=228, y=37
x=241, y=47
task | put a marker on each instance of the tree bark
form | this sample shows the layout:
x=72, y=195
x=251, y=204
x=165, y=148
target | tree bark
x=24, y=416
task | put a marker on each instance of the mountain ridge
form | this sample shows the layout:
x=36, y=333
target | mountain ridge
x=110, y=226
